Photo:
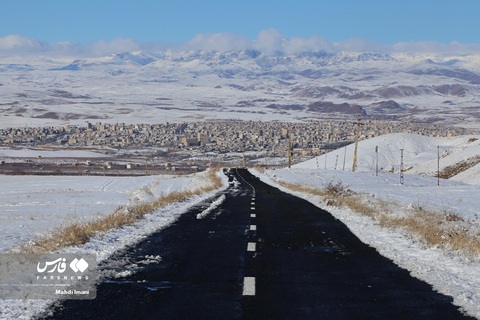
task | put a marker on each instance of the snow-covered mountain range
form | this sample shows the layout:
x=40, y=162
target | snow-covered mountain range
x=179, y=85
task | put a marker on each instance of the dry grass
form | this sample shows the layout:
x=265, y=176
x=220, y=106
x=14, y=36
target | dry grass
x=338, y=194
x=260, y=169
x=439, y=229
x=444, y=229
x=305, y=189
x=78, y=233
x=356, y=204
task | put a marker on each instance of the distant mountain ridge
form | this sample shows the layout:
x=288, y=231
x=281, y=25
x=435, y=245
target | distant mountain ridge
x=218, y=58
x=271, y=86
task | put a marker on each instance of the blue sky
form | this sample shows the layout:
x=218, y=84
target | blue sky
x=174, y=22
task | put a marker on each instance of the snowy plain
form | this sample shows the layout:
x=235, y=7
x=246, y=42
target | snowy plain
x=448, y=272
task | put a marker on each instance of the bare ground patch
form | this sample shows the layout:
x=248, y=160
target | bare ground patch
x=453, y=170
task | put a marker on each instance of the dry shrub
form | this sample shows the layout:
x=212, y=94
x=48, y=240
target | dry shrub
x=357, y=204
x=79, y=233
x=337, y=189
x=260, y=169
x=450, y=216
x=304, y=189
x=336, y=193
x=438, y=229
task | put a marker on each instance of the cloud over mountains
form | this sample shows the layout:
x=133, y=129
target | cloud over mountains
x=268, y=41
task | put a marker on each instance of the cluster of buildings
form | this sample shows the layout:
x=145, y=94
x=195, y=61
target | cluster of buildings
x=217, y=136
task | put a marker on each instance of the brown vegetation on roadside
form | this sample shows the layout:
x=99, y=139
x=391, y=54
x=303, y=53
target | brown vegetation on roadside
x=438, y=229
x=444, y=229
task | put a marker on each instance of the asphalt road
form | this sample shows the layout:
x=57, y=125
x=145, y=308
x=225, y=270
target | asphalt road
x=261, y=254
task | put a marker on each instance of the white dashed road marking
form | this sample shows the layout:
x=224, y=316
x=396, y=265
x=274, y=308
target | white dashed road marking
x=249, y=286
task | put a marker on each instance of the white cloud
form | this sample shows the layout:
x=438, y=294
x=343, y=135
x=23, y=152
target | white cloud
x=315, y=43
x=217, y=41
x=16, y=43
x=359, y=44
x=102, y=47
x=268, y=41
x=436, y=48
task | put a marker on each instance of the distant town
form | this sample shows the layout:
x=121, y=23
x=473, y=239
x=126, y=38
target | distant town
x=271, y=138
x=146, y=149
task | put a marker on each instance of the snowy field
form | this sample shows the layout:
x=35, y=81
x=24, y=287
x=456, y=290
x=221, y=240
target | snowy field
x=92, y=197
x=32, y=205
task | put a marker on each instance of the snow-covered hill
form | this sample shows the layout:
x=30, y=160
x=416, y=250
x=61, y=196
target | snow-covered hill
x=459, y=156
x=169, y=85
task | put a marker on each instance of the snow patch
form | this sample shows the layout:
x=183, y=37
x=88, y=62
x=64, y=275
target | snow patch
x=214, y=205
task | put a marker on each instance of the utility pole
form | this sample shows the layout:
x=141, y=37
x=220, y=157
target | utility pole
x=244, y=164
x=376, y=164
x=401, y=166
x=438, y=165
x=289, y=153
x=357, y=136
